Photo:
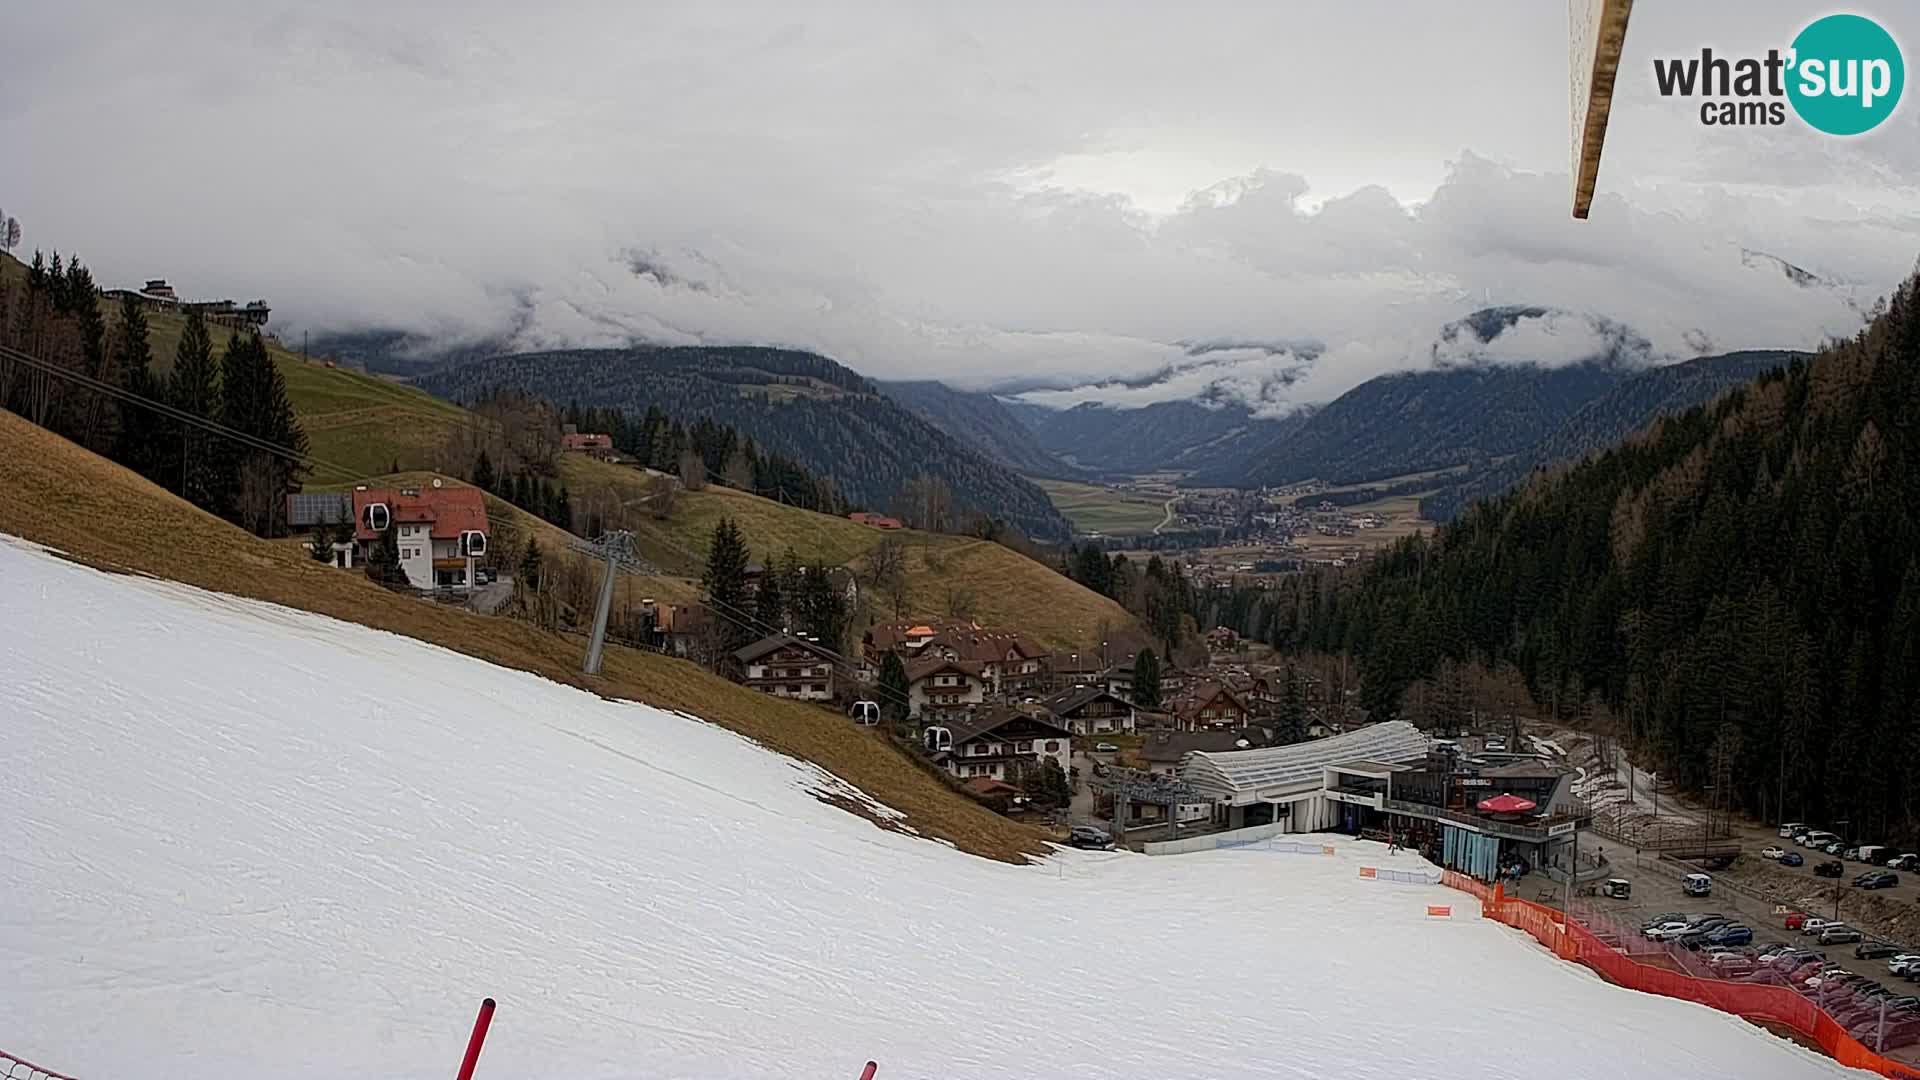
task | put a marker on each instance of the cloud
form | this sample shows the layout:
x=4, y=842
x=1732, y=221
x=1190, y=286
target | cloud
x=979, y=194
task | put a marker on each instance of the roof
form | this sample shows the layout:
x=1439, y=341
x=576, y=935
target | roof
x=450, y=510
x=1200, y=695
x=985, y=721
x=966, y=641
x=1244, y=771
x=1165, y=746
x=986, y=785
x=773, y=643
x=1364, y=766
x=931, y=665
x=1068, y=700
x=304, y=511
x=586, y=441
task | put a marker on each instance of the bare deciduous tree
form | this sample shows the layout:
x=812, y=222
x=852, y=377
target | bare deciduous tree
x=693, y=471
x=661, y=495
x=887, y=570
x=960, y=602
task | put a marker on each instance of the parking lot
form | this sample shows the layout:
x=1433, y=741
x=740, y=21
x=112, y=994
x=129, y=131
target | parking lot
x=1657, y=890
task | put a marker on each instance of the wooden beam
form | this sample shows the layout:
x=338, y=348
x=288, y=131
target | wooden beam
x=1597, y=34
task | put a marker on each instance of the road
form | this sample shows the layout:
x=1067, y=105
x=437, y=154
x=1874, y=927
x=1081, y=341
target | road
x=1168, y=519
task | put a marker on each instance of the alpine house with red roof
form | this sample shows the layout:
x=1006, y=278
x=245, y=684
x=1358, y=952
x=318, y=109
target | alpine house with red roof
x=441, y=531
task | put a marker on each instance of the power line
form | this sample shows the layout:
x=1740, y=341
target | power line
x=246, y=439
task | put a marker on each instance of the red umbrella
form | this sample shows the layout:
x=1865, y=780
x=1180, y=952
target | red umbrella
x=1506, y=804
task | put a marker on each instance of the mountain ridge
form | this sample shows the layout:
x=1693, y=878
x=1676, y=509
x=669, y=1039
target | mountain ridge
x=831, y=419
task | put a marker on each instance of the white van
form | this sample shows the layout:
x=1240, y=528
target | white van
x=1792, y=827
x=1697, y=885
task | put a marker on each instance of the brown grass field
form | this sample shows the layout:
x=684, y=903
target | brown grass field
x=105, y=516
x=1007, y=589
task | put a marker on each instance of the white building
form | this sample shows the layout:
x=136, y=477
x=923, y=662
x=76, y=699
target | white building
x=990, y=743
x=1289, y=783
x=441, y=532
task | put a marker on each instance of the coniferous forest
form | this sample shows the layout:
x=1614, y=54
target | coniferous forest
x=93, y=380
x=1739, y=585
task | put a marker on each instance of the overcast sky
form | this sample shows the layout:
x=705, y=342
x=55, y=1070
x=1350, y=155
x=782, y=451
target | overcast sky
x=971, y=192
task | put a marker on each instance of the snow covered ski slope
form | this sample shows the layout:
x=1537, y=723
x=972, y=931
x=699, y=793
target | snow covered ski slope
x=242, y=841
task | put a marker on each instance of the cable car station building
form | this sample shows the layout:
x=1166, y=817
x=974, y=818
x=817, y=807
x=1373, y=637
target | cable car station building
x=1390, y=780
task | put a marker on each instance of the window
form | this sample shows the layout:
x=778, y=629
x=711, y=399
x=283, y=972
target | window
x=1024, y=747
x=978, y=750
x=1053, y=746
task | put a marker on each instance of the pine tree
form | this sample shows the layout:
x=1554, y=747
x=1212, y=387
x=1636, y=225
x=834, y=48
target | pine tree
x=321, y=546
x=725, y=585
x=483, y=472
x=138, y=444
x=531, y=568
x=194, y=387
x=383, y=562
x=769, y=602
x=563, y=509
x=893, y=687
x=254, y=401
x=822, y=608
x=1146, y=679
x=1291, y=723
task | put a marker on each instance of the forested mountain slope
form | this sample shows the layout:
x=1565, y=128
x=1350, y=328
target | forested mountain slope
x=1179, y=435
x=1630, y=406
x=805, y=407
x=982, y=422
x=1742, y=582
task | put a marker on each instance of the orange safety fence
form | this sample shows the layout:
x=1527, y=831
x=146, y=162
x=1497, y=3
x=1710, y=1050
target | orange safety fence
x=1571, y=941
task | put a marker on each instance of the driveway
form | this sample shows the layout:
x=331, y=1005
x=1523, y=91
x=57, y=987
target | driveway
x=488, y=598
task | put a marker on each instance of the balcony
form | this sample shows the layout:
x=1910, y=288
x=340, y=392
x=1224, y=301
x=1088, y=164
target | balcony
x=1537, y=831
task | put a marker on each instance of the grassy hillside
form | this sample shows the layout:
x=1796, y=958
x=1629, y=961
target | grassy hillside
x=1008, y=589
x=362, y=422
x=101, y=514
x=1098, y=508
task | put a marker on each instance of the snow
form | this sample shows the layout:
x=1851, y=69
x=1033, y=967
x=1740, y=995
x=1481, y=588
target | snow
x=245, y=841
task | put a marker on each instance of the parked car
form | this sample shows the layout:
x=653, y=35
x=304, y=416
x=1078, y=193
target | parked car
x=1876, y=854
x=1731, y=934
x=1909, y=863
x=1795, y=918
x=1835, y=848
x=1697, y=885
x=1899, y=962
x=1791, y=858
x=1851, y=854
x=1105, y=748
x=1791, y=827
x=1879, y=879
x=1874, y=950
x=1813, y=925
x=1772, y=851
x=1086, y=836
x=1671, y=929
x=1839, y=934
x=1664, y=917
x=1832, y=868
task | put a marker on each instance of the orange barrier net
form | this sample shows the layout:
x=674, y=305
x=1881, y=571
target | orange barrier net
x=1570, y=940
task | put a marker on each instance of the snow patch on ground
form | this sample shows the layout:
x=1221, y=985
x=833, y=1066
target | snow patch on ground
x=246, y=841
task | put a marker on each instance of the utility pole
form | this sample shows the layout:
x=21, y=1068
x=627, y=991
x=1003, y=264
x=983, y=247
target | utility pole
x=616, y=548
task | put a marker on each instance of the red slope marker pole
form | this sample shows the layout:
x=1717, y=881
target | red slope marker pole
x=867, y=1073
x=480, y=1024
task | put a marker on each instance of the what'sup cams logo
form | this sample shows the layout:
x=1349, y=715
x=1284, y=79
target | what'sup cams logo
x=1842, y=75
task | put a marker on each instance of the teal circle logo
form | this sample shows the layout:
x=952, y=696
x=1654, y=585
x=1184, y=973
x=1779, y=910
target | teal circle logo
x=1846, y=74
